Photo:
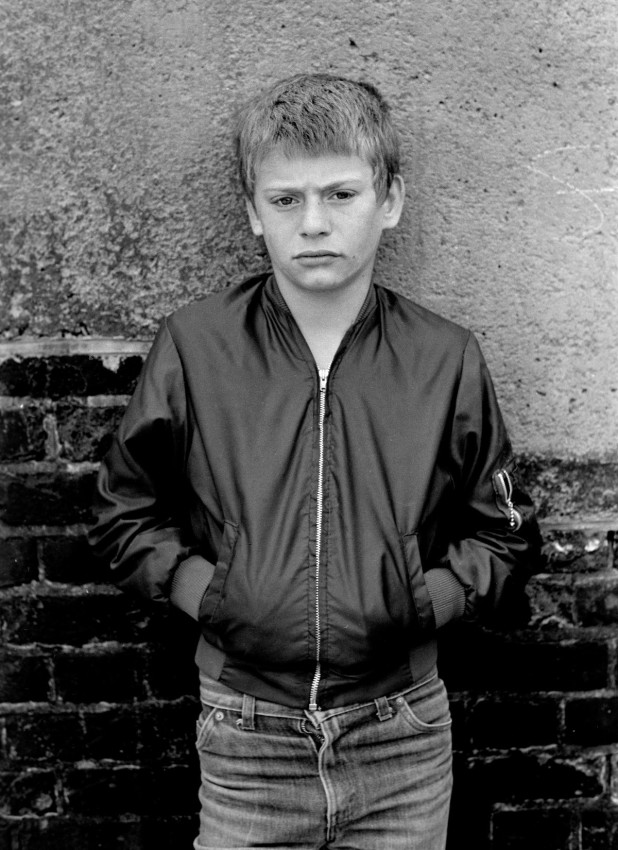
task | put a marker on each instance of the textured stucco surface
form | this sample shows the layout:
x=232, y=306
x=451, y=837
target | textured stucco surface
x=118, y=203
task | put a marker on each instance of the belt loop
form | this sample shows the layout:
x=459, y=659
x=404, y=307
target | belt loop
x=248, y=713
x=385, y=712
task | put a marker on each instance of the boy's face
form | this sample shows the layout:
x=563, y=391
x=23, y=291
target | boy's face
x=321, y=220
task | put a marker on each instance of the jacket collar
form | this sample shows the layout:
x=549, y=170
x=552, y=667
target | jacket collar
x=273, y=294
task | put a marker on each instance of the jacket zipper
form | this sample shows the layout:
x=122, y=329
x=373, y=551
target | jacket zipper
x=313, y=695
x=505, y=487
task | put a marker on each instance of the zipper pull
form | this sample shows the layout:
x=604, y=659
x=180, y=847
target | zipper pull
x=323, y=373
x=505, y=485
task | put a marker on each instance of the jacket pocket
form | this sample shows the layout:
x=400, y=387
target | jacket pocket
x=416, y=578
x=216, y=589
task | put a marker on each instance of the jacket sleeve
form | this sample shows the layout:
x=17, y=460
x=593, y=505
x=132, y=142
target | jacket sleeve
x=494, y=545
x=141, y=531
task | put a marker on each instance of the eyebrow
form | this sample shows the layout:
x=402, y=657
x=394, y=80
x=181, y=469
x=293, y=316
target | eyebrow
x=329, y=187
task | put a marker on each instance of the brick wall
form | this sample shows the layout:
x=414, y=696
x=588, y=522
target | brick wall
x=98, y=697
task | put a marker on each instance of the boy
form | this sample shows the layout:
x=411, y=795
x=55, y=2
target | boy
x=316, y=469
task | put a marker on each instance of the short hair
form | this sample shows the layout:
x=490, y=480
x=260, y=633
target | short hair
x=318, y=114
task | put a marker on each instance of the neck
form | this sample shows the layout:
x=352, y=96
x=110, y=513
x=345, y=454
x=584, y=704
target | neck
x=330, y=311
x=324, y=317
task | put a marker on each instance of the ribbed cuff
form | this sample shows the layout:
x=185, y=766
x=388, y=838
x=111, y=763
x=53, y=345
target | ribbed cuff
x=190, y=583
x=447, y=594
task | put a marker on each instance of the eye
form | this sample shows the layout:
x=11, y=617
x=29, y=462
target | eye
x=284, y=201
x=343, y=195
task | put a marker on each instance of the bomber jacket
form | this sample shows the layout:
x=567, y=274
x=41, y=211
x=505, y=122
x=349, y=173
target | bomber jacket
x=324, y=523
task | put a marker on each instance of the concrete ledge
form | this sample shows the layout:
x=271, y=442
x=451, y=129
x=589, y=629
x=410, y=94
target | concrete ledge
x=69, y=346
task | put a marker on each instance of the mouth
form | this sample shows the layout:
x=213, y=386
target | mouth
x=315, y=255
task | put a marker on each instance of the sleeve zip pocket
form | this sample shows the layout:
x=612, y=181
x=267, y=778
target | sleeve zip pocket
x=503, y=487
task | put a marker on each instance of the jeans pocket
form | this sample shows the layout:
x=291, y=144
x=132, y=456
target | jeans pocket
x=205, y=724
x=426, y=708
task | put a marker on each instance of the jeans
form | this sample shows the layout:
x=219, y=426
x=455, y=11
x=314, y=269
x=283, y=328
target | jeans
x=369, y=776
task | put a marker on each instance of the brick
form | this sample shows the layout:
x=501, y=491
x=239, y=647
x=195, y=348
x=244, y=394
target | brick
x=112, y=674
x=511, y=722
x=600, y=828
x=569, y=487
x=69, y=559
x=576, y=550
x=18, y=561
x=592, y=721
x=72, y=834
x=536, y=830
x=171, y=675
x=24, y=378
x=588, y=600
x=520, y=776
x=8, y=837
x=29, y=792
x=44, y=735
x=171, y=832
x=167, y=626
x=85, y=433
x=552, y=598
x=459, y=712
x=23, y=677
x=167, y=730
x=470, y=812
x=597, y=600
x=156, y=791
x=473, y=659
x=73, y=430
x=8, y=833
x=57, y=497
x=74, y=618
x=171, y=670
x=22, y=435
x=57, y=377
x=112, y=733
x=82, y=833
x=177, y=831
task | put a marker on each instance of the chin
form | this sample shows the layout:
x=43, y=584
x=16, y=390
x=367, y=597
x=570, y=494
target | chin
x=323, y=285
x=323, y=282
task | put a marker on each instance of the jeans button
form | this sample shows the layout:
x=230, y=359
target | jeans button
x=219, y=715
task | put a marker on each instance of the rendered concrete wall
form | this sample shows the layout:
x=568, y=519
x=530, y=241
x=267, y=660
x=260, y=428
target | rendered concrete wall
x=118, y=202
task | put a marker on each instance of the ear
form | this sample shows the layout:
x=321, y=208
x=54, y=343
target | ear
x=254, y=220
x=393, y=203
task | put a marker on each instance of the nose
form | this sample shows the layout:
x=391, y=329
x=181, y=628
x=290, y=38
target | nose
x=315, y=219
